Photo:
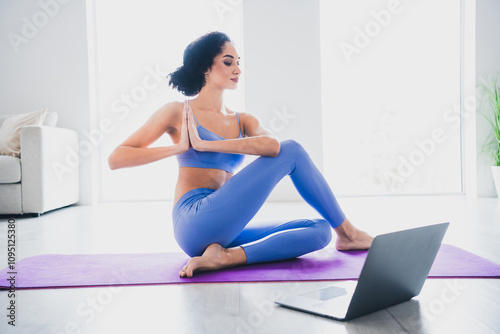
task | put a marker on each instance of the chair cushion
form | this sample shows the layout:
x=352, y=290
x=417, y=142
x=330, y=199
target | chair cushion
x=10, y=169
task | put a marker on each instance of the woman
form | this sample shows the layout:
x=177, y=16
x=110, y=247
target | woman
x=212, y=206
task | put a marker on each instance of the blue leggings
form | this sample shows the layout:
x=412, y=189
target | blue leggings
x=205, y=216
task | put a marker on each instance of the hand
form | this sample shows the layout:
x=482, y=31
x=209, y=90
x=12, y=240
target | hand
x=184, y=143
x=194, y=137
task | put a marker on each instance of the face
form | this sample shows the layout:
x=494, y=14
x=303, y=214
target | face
x=225, y=70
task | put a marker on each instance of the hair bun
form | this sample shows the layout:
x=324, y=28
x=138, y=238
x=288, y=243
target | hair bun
x=198, y=58
x=182, y=80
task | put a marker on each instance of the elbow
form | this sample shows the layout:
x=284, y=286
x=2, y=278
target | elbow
x=112, y=161
x=112, y=165
x=274, y=148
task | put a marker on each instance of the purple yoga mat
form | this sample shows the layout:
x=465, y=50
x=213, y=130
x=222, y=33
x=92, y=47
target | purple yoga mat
x=85, y=270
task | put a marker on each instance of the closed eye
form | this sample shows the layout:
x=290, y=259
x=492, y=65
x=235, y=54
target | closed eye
x=229, y=63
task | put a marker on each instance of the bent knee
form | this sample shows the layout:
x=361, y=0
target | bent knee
x=291, y=147
x=291, y=143
x=324, y=235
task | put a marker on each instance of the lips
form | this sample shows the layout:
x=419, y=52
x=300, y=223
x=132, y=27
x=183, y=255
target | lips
x=235, y=80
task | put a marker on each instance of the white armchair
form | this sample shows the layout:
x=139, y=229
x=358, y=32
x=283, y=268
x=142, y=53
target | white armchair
x=45, y=176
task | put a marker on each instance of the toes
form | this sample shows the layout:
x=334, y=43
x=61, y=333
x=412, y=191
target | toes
x=182, y=273
x=187, y=270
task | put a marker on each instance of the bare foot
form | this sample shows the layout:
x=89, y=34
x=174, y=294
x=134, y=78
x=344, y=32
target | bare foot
x=361, y=240
x=215, y=257
x=350, y=238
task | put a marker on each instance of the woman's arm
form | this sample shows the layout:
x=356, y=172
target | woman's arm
x=134, y=151
x=257, y=139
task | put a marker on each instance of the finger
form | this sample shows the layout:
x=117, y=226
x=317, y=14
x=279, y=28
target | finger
x=184, y=113
x=190, y=116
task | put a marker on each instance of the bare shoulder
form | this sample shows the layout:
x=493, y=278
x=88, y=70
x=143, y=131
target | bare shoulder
x=252, y=126
x=248, y=118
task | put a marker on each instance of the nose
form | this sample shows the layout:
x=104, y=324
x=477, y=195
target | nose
x=237, y=70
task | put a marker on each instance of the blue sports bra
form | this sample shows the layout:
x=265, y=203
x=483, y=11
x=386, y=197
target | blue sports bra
x=225, y=161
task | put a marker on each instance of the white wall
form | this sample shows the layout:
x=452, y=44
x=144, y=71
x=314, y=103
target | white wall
x=44, y=64
x=487, y=63
x=283, y=74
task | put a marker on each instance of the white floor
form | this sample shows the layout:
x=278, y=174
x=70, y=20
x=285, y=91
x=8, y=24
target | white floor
x=143, y=227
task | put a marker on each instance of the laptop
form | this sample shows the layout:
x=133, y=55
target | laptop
x=395, y=271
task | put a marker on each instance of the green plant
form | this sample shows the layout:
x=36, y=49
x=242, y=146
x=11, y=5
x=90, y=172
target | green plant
x=492, y=147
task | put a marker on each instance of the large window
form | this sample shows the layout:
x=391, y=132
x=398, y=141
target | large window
x=391, y=96
x=138, y=44
x=391, y=103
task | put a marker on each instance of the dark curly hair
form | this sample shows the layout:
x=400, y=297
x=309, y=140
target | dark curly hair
x=198, y=59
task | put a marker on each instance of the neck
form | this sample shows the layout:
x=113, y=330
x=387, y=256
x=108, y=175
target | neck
x=209, y=99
